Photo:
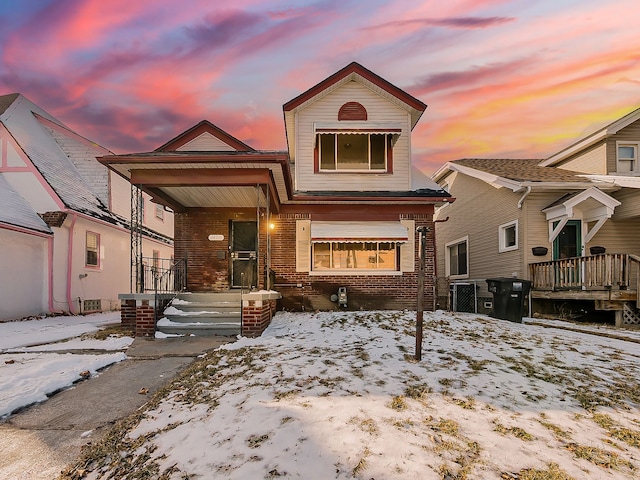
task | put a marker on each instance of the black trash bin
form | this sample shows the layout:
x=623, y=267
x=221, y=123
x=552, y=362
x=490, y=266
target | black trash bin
x=509, y=298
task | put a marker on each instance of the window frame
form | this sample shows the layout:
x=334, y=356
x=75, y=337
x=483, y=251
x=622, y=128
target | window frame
x=355, y=271
x=447, y=258
x=89, y=233
x=502, y=243
x=635, y=168
x=388, y=153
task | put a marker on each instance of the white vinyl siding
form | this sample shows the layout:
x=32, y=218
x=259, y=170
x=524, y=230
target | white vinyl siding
x=592, y=160
x=380, y=111
x=205, y=143
x=630, y=204
x=478, y=211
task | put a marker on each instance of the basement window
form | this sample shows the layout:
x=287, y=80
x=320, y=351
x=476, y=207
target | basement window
x=92, y=306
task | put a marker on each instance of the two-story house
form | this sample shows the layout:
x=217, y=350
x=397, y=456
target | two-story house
x=64, y=218
x=568, y=223
x=337, y=212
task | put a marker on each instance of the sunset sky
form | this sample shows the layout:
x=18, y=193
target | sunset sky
x=517, y=79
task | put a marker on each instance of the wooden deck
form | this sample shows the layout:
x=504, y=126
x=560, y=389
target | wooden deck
x=611, y=281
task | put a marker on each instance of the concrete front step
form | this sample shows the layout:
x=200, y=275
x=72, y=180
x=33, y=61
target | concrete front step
x=205, y=317
x=215, y=313
x=222, y=329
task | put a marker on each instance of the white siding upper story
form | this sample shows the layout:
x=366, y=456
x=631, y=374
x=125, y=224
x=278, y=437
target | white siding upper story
x=593, y=161
x=380, y=114
x=120, y=191
x=205, y=143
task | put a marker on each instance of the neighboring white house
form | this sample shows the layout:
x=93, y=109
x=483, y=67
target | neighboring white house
x=64, y=218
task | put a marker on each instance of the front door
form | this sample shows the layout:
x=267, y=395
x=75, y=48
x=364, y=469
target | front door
x=568, y=243
x=244, y=255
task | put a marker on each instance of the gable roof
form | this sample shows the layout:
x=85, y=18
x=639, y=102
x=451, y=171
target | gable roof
x=202, y=128
x=512, y=173
x=593, y=138
x=352, y=72
x=23, y=119
x=355, y=71
x=6, y=101
x=15, y=211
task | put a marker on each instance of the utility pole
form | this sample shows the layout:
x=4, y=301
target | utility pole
x=422, y=232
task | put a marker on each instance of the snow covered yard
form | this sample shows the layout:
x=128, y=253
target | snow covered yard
x=339, y=395
x=42, y=356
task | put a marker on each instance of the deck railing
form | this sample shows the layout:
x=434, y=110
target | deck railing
x=594, y=272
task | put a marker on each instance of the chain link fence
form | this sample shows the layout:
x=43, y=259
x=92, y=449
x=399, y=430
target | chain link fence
x=463, y=296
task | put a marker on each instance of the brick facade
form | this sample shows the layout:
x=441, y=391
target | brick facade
x=208, y=263
x=138, y=311
x=301, y=291
x=256, y=316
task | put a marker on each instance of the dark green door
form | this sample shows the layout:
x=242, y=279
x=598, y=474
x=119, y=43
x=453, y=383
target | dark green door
x=244, y=255
x=568, y=243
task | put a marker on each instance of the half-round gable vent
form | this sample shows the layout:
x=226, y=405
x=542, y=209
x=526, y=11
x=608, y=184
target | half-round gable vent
x=352, y=111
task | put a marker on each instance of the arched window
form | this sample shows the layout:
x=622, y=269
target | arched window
x=352, y=111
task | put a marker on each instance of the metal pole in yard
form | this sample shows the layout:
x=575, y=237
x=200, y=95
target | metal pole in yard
x=422, y=232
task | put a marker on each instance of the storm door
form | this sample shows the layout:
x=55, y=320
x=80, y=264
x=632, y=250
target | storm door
x=568, y=243
x=244, y=255
x=566, y=247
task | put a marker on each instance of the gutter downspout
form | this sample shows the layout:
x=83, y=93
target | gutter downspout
x=526, y=193
x=70, y=262
x=50, y=268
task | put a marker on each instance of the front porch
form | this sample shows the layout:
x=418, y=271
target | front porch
x=611, y=281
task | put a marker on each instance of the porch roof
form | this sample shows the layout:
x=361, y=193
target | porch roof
x=188, y=179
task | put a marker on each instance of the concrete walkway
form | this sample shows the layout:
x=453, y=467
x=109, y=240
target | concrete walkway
x=40, y=441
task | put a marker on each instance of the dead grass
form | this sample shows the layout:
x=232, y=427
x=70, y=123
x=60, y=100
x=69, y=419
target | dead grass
x=600, y=457
x=615, y=430
x=515, y=431
x=552, y=472
x=111, y=330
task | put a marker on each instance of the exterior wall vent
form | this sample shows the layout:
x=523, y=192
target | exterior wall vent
x=352, y=111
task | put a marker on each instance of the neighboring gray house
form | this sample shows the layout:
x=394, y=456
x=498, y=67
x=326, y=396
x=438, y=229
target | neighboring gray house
x=568, y=223
x=64, y=218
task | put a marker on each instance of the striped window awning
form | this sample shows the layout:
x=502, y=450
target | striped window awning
x=351, y=232
x=347, y=128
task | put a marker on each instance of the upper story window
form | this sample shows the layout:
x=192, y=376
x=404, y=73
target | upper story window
x=354, y=151
x=627, y=158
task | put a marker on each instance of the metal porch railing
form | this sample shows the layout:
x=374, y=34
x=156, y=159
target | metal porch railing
x=161, y=275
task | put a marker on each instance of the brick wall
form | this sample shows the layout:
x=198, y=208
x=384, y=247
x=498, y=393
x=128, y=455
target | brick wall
x=208, y=264
x=301, y=291
x=256, y=316
x=128, y=314
x=139, y=314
